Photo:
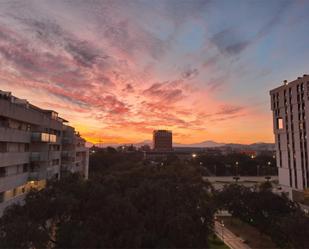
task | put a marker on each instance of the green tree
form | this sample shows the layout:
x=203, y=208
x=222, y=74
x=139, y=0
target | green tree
x=272, y=214
x=124, y=206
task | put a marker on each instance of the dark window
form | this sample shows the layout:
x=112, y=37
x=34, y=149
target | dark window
x=3, y=147
x=2, y=172
x=25, y=167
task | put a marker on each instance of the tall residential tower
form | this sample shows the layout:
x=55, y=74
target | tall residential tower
x=290, y=106
x=162, y=140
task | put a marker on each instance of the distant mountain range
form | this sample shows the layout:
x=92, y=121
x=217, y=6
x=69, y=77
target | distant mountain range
x=204, y=144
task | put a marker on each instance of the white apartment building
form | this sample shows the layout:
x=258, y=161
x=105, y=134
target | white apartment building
x=35, y=145
x=290, y=106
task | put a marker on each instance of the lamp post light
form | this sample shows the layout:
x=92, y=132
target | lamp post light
x=236, y=177
x=268, y=177
x=236, y=168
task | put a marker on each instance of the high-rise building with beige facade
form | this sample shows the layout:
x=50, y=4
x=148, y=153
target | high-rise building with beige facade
x=290, y=106
x=35, y=145
x=162, y=140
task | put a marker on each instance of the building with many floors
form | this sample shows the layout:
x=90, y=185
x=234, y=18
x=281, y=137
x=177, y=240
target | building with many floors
x=162, y=140
x=35, y=145
x=290, y=107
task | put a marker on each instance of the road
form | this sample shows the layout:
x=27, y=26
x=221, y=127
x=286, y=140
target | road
x=229, y=238
x=218, y=182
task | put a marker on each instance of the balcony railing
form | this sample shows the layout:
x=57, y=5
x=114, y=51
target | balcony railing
x=14, y=135
x=43, y=137
x=37, y=175
x=14, y=158
x=44, y=156
x=13, y=181
x=68, y=140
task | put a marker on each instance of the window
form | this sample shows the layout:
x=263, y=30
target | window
x=25, y=167
x=2, y=172
x=279, y=123
x=52, y=138
x=44, y=137
x=3, y=147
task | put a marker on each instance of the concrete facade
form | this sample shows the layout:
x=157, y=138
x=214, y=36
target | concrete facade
x=290, y=107
x=35, y=145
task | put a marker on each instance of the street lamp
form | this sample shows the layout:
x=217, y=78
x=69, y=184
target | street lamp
x=268, y=177
x=236, y=168
x=194, y=155
x=236, y=177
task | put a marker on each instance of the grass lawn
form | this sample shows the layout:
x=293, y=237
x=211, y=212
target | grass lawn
x=216, y=243
x=253, y=237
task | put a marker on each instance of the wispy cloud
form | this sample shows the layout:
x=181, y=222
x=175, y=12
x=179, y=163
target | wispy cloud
x=119, y=70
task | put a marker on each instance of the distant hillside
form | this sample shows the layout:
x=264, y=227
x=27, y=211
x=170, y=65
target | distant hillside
x=204, y=144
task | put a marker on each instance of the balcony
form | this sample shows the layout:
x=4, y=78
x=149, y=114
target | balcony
x=14, y=135
x=38, y=157
x=44, y=156
x=81, y=149
x=28, y=115
x=12, y=181
x=13, y=158
x=68, y=140
x=43, y=137
x=37, y=175
x=20, y=112
x=55, y=154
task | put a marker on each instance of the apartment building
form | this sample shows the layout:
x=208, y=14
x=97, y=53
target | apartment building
x=290, y=107
x=35, y=145
x=162, y=140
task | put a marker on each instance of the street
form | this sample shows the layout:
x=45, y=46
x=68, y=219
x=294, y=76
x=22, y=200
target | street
x=229, y=238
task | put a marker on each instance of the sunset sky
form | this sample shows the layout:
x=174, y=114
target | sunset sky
x=120, y=69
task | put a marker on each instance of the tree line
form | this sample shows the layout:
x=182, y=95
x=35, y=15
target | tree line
x=127, y=207
x=128, y=204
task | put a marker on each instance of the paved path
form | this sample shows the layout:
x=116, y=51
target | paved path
x=229, y=238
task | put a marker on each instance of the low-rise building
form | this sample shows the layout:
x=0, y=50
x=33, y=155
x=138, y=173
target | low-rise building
x=35, y=145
